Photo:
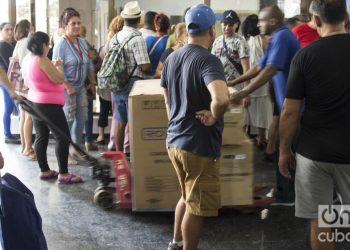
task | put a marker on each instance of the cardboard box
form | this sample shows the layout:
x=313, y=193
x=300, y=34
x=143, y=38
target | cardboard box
x=237, y=158
x=236, y=174
x=155, y=186
x=233, y=126
x=148, y=122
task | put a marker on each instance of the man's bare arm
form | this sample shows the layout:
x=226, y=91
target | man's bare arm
x=6, y=82
x=166, y=100
x=219, y=96
x=287, y=128
x=262, y=78
x=251, y=73
x=288, y=123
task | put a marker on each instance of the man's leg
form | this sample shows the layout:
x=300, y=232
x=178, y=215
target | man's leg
x=179, y=215
x=121, y=118
x=318, y=237
x=313, y=187
x=119, y=135
x=191, y=230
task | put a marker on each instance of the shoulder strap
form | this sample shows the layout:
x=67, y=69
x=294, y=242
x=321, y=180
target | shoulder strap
x=155, y=45
x=126, y=40
x=235, y=64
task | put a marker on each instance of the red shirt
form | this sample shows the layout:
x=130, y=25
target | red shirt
x=305, y=34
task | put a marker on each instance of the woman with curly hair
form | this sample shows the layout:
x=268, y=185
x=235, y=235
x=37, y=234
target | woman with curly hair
x=77, y=65
x=156, y=44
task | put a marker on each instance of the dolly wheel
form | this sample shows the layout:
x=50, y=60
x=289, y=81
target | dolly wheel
x=99, y=188
x=104, y=198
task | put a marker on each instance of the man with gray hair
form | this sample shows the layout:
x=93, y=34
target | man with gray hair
x=319, y=78
x=196, y=97
x=306, y=33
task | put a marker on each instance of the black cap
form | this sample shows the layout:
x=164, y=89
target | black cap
x=230, y=16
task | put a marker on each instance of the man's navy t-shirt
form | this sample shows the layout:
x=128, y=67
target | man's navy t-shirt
x=186, y=74
x=320, y=75
x=279, y=53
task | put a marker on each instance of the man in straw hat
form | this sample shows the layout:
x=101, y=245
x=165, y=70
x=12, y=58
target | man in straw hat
x=138, y=64
x=196, y=98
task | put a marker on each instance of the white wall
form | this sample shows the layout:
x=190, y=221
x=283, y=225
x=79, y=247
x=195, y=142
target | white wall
x=86, y=10
x=41, y=16
x=169, y=7
x=246, y=6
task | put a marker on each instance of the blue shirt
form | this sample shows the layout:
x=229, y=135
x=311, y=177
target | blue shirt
x=279, y=53
x=157, y=52
x=75, y=67
x=186, y=74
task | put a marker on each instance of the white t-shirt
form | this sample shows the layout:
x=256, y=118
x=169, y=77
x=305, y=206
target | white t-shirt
x=146, y=32
x=21, y=50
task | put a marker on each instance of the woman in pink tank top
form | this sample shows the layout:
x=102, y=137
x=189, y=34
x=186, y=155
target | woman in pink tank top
x=46, y=92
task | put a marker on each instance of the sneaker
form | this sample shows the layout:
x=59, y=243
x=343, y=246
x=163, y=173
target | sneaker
x=174, y=246
x=12, y=140
x=280, y=202
x=269, y=157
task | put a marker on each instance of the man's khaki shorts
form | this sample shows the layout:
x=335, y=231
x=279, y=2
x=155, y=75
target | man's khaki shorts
x=199, y=181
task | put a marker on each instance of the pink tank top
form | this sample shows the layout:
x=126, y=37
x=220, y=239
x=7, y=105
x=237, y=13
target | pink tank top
x=41, y=88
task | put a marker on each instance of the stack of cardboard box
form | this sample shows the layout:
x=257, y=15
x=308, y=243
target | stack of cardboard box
x=155, y=184
x=154, y=181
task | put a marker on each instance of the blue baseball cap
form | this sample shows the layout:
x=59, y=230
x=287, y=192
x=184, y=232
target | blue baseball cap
x=198, y=18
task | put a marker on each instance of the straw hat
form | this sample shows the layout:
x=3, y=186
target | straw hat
x=131, y=10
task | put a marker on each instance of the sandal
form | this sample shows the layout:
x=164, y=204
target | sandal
x=70, y=179
x=51, y=174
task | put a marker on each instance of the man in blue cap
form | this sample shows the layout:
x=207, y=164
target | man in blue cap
x=196, y=98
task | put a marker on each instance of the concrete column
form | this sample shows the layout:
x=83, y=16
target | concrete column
x=12, y=11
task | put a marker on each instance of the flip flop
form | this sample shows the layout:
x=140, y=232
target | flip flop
x=51, y=175
x=70, y=179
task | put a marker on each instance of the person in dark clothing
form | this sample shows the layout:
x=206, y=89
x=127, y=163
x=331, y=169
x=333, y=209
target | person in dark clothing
x=318, y=89
x=6, y=50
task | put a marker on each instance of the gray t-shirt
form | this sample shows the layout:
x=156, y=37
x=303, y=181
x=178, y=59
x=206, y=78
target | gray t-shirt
x=186, y=74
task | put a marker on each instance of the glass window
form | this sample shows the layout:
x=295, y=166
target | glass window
x=4, y=11
x=23, y=10
x=53, y=16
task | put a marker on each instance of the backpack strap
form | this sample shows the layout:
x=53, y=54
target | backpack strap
x=235, y=64
x=155, y=45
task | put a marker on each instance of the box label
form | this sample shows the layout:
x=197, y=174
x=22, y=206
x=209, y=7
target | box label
x=153, y=104
x=154, y=133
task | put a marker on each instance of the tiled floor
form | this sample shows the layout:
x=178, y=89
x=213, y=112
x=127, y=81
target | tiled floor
x=71, y=221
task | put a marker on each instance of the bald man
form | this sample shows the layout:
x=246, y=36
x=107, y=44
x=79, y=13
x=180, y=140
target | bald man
x=274, y=64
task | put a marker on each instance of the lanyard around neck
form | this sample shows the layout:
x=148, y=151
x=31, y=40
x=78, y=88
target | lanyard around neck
x=74, y=47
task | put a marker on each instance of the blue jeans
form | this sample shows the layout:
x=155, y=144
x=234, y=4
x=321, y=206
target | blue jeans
x=75, y=110
x=120, y=100
x=89, y=122
x=8, y=108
